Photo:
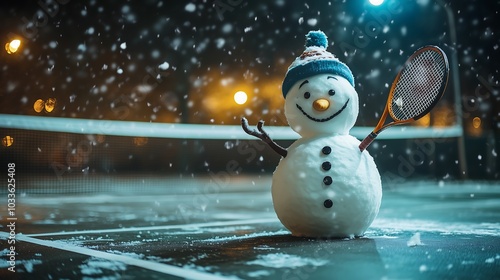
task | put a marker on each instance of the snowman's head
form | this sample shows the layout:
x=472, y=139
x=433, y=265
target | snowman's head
x=319, y=91
x=321, y=104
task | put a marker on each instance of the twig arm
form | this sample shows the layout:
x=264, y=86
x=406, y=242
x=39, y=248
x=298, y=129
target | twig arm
x=262, y=135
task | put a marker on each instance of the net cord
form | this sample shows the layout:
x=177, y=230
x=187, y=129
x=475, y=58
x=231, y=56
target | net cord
x=196, y=131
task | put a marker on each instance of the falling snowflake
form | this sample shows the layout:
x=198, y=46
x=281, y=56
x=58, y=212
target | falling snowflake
x=190, y=7
x=312, y=22
x=164, y=66
x=399, y=102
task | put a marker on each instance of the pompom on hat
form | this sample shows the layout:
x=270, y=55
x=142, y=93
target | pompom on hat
x=313, y=61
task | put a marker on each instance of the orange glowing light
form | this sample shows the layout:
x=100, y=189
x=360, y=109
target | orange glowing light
x=240, y=97
x=476, y=122
x=140, y=141
x=100, y=138
x=39, y=105
x=424, y=121
x=13, y=46
x=7, y=141
x=50, y=104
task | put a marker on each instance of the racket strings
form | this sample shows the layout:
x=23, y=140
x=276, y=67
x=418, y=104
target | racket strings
x=418, y=86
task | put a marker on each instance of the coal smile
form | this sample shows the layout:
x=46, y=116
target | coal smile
x=325, y=119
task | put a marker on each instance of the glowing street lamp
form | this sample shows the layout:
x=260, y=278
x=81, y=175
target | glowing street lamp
x=39, y=105
x=12, y=46
x=476, y=122
x=376, y=2
x=240, y=97
x=50, y=104
x=7, y=141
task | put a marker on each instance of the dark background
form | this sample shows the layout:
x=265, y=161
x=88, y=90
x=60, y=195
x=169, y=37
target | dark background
x=101, y=60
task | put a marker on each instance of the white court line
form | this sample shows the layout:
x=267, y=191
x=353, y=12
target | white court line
x=154, y=266
x=134, y=197
x=196, y=225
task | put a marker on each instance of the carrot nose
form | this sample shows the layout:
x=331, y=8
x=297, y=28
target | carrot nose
x=321, y=104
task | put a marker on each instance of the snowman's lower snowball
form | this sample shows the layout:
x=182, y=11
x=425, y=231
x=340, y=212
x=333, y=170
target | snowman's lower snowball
x=325, y=187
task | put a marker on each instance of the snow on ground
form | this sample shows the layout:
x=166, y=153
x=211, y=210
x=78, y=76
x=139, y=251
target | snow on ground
x=281, y=260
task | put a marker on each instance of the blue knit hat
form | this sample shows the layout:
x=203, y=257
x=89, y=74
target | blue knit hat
x=315, y=60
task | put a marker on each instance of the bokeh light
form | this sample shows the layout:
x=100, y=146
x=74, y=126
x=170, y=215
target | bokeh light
x=140, y=141
x=476, y=122
x=100, y=138
x=50, y=104
x=39, y=105
x=376, y=2
x=424, y=121
x=240, y=97
x=7, y=141
x=12, y=46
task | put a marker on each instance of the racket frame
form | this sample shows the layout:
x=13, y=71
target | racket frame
x=380, y=125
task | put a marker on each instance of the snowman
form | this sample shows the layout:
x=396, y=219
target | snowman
x=323, y=186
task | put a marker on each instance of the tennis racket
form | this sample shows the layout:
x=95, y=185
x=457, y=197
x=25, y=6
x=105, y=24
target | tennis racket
x=415, y=91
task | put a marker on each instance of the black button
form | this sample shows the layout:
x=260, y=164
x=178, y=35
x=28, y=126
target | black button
x=327, y=180
x=328, y=203
x=326, y=165
x=326, y=150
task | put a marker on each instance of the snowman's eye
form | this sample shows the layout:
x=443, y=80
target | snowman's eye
x=331, y=92
x=307, y=95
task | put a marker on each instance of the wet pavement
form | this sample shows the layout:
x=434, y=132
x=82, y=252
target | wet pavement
x=164, y=228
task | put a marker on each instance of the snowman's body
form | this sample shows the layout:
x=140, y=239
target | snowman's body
x=325, y=187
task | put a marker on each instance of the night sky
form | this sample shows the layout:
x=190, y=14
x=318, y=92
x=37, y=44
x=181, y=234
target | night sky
x=102, y=59
x=182, y=61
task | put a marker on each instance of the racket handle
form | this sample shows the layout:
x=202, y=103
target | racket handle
x=367, y=141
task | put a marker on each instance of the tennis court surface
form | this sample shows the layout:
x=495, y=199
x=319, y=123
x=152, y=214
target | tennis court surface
x=203, y=228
